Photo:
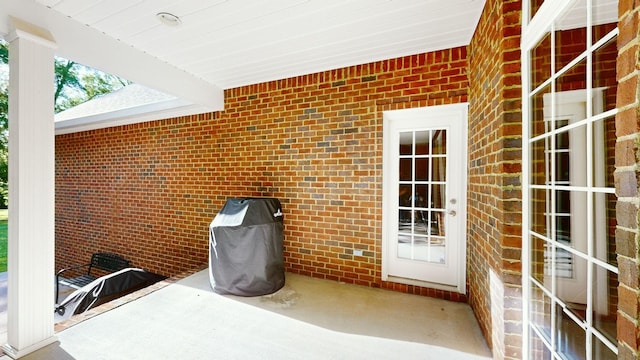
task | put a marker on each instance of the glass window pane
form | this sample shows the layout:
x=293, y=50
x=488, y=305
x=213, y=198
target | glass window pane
x=602, y=351
x=541, y=62
x=571, y=34
x=423, y=143
x=571, y=150
x=571, y=215
x=562, y=166
x=561, y=159
x=570, y=338
x=539, y=125
x=604, y=75
x=604, y=227
x=571, y=281
x=574, y=78
x=540, y=311
x=603, y=150
x=537, y=349
x=540, y=208
x=540, y=250
x=605, y=302
x=605, y=18
x=535, y=6
x=540, y=166
x=563, y=208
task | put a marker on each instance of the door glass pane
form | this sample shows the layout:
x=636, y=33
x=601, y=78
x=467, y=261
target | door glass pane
x=438, y=196
x=406, y=143
x=422, y=169
x=439, y=171
x=421, y=194
x=421, y=232
x=439, y=141
x=405, y=221
x=437, y=227
x=404, y=195
x=423, y=143
x=406, y=169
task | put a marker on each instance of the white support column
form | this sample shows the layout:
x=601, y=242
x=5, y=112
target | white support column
x=31, y=190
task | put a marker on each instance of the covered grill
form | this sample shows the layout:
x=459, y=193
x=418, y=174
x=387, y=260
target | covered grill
x=246, y=247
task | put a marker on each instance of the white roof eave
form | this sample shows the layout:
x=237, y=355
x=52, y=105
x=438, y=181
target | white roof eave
x=132, y=115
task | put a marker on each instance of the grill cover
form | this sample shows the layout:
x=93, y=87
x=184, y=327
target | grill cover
x=245, y=247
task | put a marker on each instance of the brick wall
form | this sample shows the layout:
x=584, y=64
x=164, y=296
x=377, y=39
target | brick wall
x=149, y=191
x=494, y=179
x=626, y=181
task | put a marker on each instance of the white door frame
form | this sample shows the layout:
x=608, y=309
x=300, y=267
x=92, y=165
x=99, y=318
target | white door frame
x=390, y=200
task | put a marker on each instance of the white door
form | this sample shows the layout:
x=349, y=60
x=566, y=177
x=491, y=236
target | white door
x=424, y=210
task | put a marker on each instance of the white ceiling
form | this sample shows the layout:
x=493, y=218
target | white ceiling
x=223, y=44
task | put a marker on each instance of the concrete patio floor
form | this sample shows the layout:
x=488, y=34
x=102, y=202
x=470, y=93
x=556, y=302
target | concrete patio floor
x=307, y=319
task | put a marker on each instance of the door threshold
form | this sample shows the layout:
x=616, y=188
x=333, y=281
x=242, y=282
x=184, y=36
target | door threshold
x=426, y=284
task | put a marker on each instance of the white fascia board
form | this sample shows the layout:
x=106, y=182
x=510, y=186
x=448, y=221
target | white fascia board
x=90, y=47
x=144, y=113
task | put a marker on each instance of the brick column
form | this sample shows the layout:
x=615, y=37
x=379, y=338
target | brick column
x=626, y=180
x=495, y=155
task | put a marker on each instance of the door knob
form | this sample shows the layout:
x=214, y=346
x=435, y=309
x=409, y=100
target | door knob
x=452, y=212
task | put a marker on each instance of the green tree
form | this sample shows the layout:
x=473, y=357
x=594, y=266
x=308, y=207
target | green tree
x=74, y=84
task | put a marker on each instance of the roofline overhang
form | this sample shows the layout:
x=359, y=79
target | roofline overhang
x=144, y=113
x=80, y=43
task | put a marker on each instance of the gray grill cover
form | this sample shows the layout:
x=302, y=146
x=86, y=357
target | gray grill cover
x=245, y=247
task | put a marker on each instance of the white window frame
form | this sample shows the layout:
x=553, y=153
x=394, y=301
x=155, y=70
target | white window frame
x=532, y=32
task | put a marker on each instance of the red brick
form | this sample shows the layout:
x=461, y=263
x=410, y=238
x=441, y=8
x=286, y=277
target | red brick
x=150, y=190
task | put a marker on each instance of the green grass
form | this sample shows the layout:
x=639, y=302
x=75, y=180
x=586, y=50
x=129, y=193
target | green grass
x=4, y=218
